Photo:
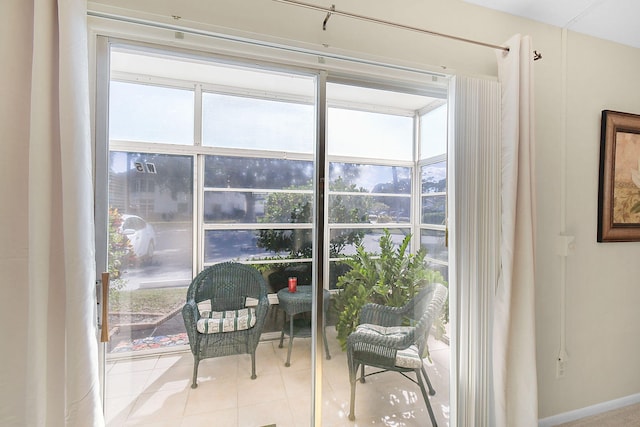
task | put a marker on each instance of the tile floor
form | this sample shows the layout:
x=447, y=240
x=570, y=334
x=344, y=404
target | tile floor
x=155, y=391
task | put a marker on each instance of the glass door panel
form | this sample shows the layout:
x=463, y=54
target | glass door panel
x=150, y=249
x=209, y=163
x=378, y=255
x=257, y=192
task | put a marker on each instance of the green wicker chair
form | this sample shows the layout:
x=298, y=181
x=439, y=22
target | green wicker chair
x=233, y=322
x=381, y=340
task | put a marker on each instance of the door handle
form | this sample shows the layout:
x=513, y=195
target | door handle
x=104, y=336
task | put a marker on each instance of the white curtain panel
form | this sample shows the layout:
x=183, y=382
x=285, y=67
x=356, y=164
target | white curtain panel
x=62, y=385
x=515, y=378
x=474, y=216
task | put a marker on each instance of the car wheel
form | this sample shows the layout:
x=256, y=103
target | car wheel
x=150, y=250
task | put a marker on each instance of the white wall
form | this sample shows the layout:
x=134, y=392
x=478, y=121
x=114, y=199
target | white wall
x=603, y=320
x=603, y=323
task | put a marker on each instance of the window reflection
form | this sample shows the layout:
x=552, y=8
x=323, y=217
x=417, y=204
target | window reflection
x=434, y=209
x=434, y=242
x=369, y=178
x=368, y=237
x=247, y=245
x=434, y=177
x=257, y=173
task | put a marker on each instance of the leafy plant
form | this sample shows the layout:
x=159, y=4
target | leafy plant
x=391, y=278
x=120, y=252
x=296, y=208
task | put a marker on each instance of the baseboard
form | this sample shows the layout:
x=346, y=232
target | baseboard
x=589, y=410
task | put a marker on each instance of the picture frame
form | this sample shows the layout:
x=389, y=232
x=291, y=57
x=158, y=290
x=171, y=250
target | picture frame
x=619, y=178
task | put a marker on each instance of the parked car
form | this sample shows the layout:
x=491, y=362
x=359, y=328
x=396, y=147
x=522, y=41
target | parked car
x=141, y=235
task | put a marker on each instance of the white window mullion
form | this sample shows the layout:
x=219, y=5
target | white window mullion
x=197, y=123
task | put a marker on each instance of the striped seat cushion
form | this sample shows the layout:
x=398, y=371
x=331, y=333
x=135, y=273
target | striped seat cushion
x=407, y=358
x=213, y=322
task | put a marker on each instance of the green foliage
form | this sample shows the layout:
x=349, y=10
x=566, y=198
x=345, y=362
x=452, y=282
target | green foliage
x=391, y=278
x=296, y=208
x=268, y=267
x=120, y=252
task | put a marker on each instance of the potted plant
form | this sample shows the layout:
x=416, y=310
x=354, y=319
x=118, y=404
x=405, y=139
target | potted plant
x=390, y=278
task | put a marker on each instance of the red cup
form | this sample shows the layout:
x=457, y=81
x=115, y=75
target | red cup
x=293, y=284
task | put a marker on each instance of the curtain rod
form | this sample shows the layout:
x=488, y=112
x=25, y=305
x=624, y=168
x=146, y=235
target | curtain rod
x=255, y=42
x=332, y=11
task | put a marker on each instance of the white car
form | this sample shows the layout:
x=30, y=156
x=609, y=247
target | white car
x=141, y=236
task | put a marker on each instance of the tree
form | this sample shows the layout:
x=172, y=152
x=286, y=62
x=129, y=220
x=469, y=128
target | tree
x=296, y=208
x=249, y=172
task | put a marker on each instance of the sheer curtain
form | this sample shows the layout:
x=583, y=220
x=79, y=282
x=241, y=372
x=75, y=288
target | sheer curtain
x=60, y=376
x=515, y=377
x=474, y=180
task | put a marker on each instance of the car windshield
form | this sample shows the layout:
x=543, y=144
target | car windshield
x=133, y=223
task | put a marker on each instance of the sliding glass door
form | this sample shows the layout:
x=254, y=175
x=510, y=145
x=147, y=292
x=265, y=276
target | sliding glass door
x=210, y=160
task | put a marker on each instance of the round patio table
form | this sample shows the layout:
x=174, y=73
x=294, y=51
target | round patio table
x=293, y=303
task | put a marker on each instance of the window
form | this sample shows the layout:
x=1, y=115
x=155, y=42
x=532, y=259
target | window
x=148, y=113
x=248, y=136
x=433, y=186
x=259, y=198
x=233, y=121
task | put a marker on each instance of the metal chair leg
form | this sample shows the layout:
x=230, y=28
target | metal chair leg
x=326, y=344
x=290, y=342
x=253, y=365
x=353, y=374
x=284, y=324
x=432, y=391
x=196, y=362
x=426, y=398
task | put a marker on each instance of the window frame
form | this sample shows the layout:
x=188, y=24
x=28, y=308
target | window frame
x=199, y=151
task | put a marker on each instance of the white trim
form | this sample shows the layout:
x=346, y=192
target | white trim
x=588, y=411
x=109, y=20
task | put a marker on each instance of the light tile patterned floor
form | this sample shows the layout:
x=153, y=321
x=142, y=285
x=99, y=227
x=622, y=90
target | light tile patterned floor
x=155, y=391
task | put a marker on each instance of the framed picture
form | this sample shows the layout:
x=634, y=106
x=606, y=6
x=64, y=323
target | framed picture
x=619, y=186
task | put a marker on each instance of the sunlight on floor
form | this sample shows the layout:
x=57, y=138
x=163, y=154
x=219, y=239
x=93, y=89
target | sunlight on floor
x=156, y=391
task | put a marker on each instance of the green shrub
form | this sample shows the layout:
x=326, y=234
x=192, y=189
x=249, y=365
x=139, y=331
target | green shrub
x=120, y=253
x=391, y=278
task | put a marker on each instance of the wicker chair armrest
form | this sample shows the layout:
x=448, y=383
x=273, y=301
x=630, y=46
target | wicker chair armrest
x=190, y=311
x=381, y=315
x=262, y=308
x=191, y=315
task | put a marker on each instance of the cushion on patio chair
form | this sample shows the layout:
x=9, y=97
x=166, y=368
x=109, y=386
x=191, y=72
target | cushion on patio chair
x=409, y=358
x=387, y=331
x=406, y=358
x=213, y=322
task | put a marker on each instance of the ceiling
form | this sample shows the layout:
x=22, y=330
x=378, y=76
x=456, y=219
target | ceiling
x=614, y=20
